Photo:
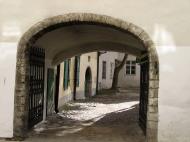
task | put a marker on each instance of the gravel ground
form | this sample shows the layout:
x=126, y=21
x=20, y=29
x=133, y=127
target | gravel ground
x=104, y=118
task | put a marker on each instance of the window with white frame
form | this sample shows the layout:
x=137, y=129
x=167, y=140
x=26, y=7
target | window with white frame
x=131, y=67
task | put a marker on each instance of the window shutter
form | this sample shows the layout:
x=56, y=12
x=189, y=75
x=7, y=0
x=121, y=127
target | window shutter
x=65, y=76
x=78, y=69
x=68, y=72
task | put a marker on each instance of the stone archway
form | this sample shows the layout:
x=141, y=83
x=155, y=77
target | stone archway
x=39, y=29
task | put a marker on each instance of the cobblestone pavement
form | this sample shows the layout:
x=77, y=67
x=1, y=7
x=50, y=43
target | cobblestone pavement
x=104, y=118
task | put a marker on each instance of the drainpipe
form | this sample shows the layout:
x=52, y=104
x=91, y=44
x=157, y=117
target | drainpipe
x=97, y=76
x=56, y=97
x=75, y=78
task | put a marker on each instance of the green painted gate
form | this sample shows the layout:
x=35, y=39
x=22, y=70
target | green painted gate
x=50, y=91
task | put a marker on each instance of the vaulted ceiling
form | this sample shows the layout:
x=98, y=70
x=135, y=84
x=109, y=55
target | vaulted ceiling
x=71, y=40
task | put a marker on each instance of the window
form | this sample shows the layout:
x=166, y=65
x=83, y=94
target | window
x=78, y=70
x=104, y=70
x=131, y=68
x=89, y=58
x=66, y=78
x=111, y=70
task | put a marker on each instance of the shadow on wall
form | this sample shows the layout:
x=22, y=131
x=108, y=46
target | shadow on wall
x=80, y=94
x=69, y=96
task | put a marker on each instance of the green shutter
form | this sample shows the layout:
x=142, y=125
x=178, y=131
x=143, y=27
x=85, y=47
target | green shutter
x=68, y=72
x=66, y=78
x=65, y=74
x=78, y=69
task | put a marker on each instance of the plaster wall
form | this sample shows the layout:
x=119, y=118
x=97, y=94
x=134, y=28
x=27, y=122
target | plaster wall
x=84, y=64
x=125, y=81
x=7, y=82
x=67, y=95
x=109, y=57
x=128, y=81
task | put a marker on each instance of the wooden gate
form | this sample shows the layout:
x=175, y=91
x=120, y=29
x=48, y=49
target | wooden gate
x=36, y=89
x=144, y=87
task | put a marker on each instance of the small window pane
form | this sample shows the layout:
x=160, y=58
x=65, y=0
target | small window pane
x=133, y=62
x=133, y=72
x=133, y=67
x=128, y=62
x=127, y=71
x=128, y=67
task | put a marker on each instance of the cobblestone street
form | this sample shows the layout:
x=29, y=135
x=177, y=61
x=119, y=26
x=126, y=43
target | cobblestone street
x=104, y=118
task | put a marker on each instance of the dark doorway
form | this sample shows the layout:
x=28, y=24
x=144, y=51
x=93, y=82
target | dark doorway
x=88, y=82
x=56, y=99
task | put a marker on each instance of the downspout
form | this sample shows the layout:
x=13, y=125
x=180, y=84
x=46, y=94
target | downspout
x=97, y=77
x=56, y=97
x=75, y=78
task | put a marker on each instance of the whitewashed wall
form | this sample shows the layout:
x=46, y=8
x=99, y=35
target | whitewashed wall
x=125, y=81
x=109, y=57
x=166, y=21
x=7, y=82
x=67, y=95
x=84, y=64
x=129, y=81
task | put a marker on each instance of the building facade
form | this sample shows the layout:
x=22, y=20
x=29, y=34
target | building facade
x=106, y=69
x=129, y=76
x=77, y=78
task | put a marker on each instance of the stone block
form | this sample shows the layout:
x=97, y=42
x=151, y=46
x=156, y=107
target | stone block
x=152, y=125
x=154, y=71
x=153, y=102
x=153, y=84
x=20, y=108
x=135, y=30
x=153, y=93
x=152, y=117
x=153, y=56
x=153, y=109
x=152, y=135
x=146, y=39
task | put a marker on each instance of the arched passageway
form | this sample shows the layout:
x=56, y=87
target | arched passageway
x=88, y=83
x=64, y=36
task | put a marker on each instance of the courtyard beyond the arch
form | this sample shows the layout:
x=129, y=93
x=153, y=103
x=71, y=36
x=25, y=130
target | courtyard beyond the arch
x=104, y=118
